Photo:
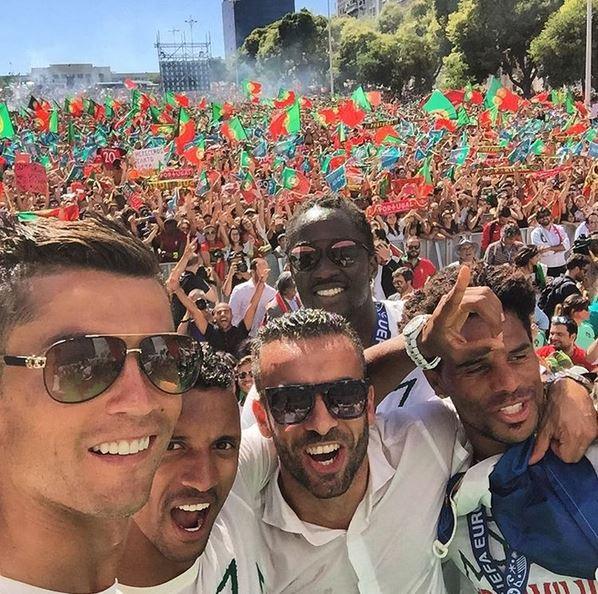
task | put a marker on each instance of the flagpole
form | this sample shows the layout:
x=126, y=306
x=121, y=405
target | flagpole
x=330, y=50
x=588, y=87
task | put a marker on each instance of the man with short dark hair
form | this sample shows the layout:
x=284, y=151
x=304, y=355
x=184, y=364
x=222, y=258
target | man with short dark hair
x=422, y=267
x=552, y=241
x=91, y=377
x=577, y=266
x=195, y=535
x=504, y=250
x=562, y=336
x=491, y=230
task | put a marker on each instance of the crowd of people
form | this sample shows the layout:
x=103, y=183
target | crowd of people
x=357, y=414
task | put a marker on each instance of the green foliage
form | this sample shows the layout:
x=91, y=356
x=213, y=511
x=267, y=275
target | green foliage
x=493, y=35
x=455, y=73
x=391, y=17
x=560, y=49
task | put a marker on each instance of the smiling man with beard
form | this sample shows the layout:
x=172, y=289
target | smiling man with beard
x=195, y=535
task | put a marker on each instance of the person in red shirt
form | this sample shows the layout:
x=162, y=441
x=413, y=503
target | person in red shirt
x=491, y=230
x=563, y=332
x=422, y=268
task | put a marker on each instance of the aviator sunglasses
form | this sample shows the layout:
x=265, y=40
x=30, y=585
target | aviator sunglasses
x=80, y=368
x=292, y=404
x=342, y=252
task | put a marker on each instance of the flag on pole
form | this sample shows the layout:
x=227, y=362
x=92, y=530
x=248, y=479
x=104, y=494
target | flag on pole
x=6, y=128
x=295, y=181
x=233, y=130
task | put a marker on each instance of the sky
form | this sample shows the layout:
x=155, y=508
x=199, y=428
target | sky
x=116, y=33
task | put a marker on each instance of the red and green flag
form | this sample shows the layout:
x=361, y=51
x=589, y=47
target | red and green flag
x=185, y=131
x=251, y=88
x=285, y=99
x=245, y=160
x=234, y=130
x=286, y=122
x=360, y=99
x=439, y=104
x=493, y=88
x=295, y=181
x=6, y=128
x=203, y=184
x=65, y=213
x=216, y=112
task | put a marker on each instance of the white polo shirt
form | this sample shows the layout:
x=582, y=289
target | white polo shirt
x=233, y=562
x=8, y=586
x=473, y=492
x=553, y=235
x=388, y=545
x=240, y=298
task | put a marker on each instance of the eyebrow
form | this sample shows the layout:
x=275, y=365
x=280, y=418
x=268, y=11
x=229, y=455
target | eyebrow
x=482, y=354
x=524, y=346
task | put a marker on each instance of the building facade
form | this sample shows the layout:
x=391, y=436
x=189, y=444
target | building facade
x=361, y=8
x=241, y=17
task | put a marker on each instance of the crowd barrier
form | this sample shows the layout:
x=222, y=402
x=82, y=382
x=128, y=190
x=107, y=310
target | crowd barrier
x=442, y=252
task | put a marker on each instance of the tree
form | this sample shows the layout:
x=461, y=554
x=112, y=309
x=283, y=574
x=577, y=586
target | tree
x=391, y=17
x=495, y=36
x=294, y=47
x=455, y=72
x=560, y=49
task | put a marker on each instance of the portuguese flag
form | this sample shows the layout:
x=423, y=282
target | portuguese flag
x=286, y=122
x=6, y=127
x=65, y=213
x=185, y=131
x=285, y=99
x=234, y=130
x=216, y=112
x=295, y=181
x=251, y=88
x=361, y=99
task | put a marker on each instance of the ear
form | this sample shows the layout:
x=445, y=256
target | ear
x=261, y=416
x=371, y=406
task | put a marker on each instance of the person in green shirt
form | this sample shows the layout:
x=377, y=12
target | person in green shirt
x=576, y=307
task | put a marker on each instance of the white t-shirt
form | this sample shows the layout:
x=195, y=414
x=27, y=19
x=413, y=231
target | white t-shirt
x=240, y=298
x=8, y=586
x=554, y=235
x=233, y=562
x=473, y=492
x=388, y=545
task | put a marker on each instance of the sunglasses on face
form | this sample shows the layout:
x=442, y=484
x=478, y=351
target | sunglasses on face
x=245, y=374
x=292, y=404
x=83, y=367
x=342, y=253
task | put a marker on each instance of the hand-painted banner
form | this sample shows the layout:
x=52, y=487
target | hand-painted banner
x=149, y=159
x=176, y=173
x=31, y=177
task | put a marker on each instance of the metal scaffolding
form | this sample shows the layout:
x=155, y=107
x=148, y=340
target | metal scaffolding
x=184, y=65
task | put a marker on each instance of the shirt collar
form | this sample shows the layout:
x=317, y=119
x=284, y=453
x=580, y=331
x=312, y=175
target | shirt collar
x=279, y=514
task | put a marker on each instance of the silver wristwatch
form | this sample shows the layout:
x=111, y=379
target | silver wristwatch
x=411, y=331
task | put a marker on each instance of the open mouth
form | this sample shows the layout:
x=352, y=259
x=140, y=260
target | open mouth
x=330, y=292
x=324, y=455
x=190, y=518
x=515, y=413
x=123, y=447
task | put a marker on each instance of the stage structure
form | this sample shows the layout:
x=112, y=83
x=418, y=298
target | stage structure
x=184, y=65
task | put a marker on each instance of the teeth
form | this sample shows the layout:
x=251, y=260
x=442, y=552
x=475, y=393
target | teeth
x=323, y=449
x=194, y=508
x=122, y=447
x=330, y=292
x=511, y=410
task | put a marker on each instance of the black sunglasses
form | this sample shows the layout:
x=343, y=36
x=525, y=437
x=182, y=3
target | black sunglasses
x=80, y=368
x=342, y=252
x=292, y=404
x=244, y=374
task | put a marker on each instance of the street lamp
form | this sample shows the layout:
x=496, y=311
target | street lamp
x=588, y=86
x=330, y=50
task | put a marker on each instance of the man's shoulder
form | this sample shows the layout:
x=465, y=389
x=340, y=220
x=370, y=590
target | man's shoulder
x=545, y=350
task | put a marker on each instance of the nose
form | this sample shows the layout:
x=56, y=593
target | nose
x=132, y=393
x=320, y=420
x=200, y=472
x=504, y=378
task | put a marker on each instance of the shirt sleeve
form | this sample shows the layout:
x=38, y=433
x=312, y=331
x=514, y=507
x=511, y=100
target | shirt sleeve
x=257, y=460
x=237, y=305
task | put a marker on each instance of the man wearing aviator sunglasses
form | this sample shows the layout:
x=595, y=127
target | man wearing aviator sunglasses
x=90, y=380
